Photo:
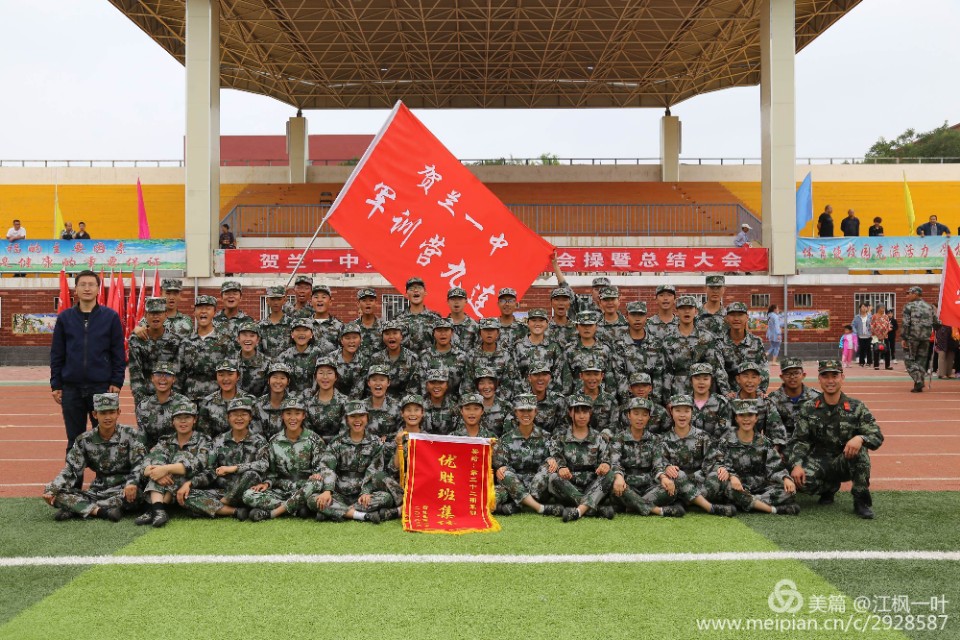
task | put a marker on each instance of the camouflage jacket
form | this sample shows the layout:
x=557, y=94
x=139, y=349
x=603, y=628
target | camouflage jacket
x=581, y=457
x=715, y=417
x=549, y=352
x=465, y=333
x=371, y=339
x=193, y=455
x=418, y=329
x=611, y=332
x=660, y=420
x=680, y=352
x=274, y=337
x=917, y=320
x=523, y=456
x=769, y=422
x=180, y=324
x=198, y=360
x=564, y=334
x=756, y=463
x=155, y=419
x=385, y=420
x=502, y=363
x=349, y=468
x=551, y=414
x=404, y=371
x=483, y=432
x=660, y=329
x=578, y=355
x=579, y=302
x=824, y=430
x=451, y=360
x=230, y=326
x=606, y=411
x=328, y=330
x=788, y=407
x=326, y=418
x=212, y=414
x=253, y=374
x=351, y=376
x=750, y=349
x=290, y=310
x=247, y=455
x=640, y=356
x=441, y=420
x=493, y=416
x=115, y=461
x=693, y=454
x=303, y=365
x=511, y=334
x=143, y=354
x=715, y=323
x=633, y=459
x=291, y=462
x=269, y=418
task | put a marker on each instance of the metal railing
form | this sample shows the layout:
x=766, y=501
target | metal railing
x=292, y=220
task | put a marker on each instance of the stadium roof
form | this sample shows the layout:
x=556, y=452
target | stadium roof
x=317, y=54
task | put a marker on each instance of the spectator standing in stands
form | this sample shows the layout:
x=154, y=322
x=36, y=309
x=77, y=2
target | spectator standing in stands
x=741, y=240
x=825, y=223
x=861, y=327
x=81, y=233
x=933, y=228
x=876, y=229
x=850, y=226
x=68, y=232
x=15, y=234
x=227, y=239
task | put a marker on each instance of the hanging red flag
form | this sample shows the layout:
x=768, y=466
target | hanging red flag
x=131, y=309
x=412, y=209
x=156, y=283
x=101, y=295
x=141, y=298
x=65, y=302
x=448, y=485
x=949, y=305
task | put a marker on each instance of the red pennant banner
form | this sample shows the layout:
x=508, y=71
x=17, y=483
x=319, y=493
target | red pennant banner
x=412, y=209
x=949, y=307
x=449, y=485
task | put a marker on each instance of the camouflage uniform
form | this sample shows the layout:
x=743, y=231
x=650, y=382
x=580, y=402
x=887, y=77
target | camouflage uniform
x=695, y=456
x=155, y=418
x=751, y=350
x=660, y=420
x=548, y=352
x=180, y=324
x=659, y=329
x=325, y=418
x=500, y=362
x=465, y=333
x=511, y=334
x=208, y=489
x=404, y=371
x=193, y=455
x=611, y=332
x=494, y=416
x=274, y=336
x=581, y=457
x=916, y=325
x=212, y=415
x=525, y=460
x=290, y=463
x=578, y=355
x=370, y=337
x=680, y=352
x=291, y=311
x=788, y=407
x=715, y=417
x=231, y=325
x=269, y=418
x=253, y=374
x=417, y=329
x=769, y=422
x=350, y=469
x=551, y=415
x=450, y=361
x=759, y=468
x=715, y=323
x=198, y=358
x=633, y=459
x=562, y=334
x=385, y=420
x=328, y=330
x=440, y=420
x=302, y=368
x=580, y=302
x=640, y=356
x=115, y=461
x=606, y=412
x=144, y=354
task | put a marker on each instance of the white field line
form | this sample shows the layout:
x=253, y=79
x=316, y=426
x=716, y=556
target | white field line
x=605, y=558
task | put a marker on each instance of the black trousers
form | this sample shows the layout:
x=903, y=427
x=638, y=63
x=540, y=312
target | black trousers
x=77, y=407
x=880, y=351
x=863, y=350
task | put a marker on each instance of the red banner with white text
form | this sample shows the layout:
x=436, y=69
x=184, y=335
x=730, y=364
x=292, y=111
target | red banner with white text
x=449, y=485
x=411, y=208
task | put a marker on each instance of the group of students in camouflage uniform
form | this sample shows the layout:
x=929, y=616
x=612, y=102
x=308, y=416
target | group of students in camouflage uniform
x=594, y=412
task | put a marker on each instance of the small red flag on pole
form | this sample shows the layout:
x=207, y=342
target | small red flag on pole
x=141, y=298
x=101, y=295
x=949, y=307
x=156, y=283
x=65, y=302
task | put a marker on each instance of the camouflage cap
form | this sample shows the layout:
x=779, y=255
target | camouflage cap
x=742, y=406
x=716, y=281
x=169, y=368
x=456, y=292
x=412, y=398
x=749, y=366
x=538, y=366
x=278, y=366
x=443, y=323
x=414, y=281
x=471, y=398
x=350, y=327
x=155, y=305
x=240, y=404
x=666, y=287
x=587, y=317
x=489, y=323
x=184, y=407
x=608, y=293
x=637, y=306
x=249, y=326
x=200, y=301
x=301, y=279
x=302, y=323
x=484, y=371
x=228, y=364
x=736, y=307
x=686, y=301
x=681, y=400
x=438, y=374
x=293, y=402
x=827, y=366
x=592, y=364
x=638, y=403
x=321, y=288
x=535, y=314
x=230, y=285
x=106, y=401
x=579, y=400
x=916, y=290
x=640, y=378
x=366, y=292
x=326, y=361
x=355, y=408
x=701, y=368
x=391, y=325
x=171, y=284
x=525, y=401
x=378, y=370
x=507, y=291
x=560, y=292
x=276, y=291
x=602, y=281
x=790, y=363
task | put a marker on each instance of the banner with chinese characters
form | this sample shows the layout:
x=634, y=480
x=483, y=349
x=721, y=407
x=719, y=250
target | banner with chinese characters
x=284, y=260
x=894, y=252
x=449, y=485
x=672, y=259
x=39, y=256
x=412, y=209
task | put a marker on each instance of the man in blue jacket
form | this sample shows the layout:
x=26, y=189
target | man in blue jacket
x=86, y=356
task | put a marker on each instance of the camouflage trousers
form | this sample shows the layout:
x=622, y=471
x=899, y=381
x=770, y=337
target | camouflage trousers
x=771, y=493
x=825, y=473
x=915, y=358
x=229, y=492
x=341, y=503
x=517, y=486
x=84, y=502
x=153, y=485
x=632, y=500
x=293, y=499
x=579, y=491
x=687, y=488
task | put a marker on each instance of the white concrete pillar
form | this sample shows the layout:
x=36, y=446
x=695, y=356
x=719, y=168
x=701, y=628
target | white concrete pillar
x=670, y=148
x=297, y=148
x=202, y=153
x=778, y=134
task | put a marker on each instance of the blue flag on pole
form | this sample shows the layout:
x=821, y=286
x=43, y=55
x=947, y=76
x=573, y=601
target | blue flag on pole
x=804, y=203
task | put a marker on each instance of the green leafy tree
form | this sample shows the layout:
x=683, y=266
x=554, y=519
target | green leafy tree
x=942, y=142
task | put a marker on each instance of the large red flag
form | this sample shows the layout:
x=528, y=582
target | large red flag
x=156, y=283
x=64, y=293
x=412, y=209
x=949, y=307
x=448, y=485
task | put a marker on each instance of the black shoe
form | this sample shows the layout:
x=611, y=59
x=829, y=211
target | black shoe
x=553, y=510
x=888, y=368
x=570, y=514
x=392, y=513
x=725, y=510
x=241, y=513
x=861, y=505
x=605, y=512
x=372, y=517
x=826, y=499
x=259, y=515
x=507, y=509
x=160, y=518
x=673, y=511
x=917, y=387
x=788, y=510
x=144, y=519
x=63, y=515
x=304, y=512
x=113, y=515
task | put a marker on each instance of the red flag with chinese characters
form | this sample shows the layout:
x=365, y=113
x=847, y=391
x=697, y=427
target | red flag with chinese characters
x=448, y=485
x=410, y=208
x=949, y=307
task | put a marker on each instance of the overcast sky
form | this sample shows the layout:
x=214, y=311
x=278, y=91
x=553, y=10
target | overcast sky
x=83, y=82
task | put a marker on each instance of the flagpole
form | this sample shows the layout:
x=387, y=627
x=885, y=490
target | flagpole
x=309, y=246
